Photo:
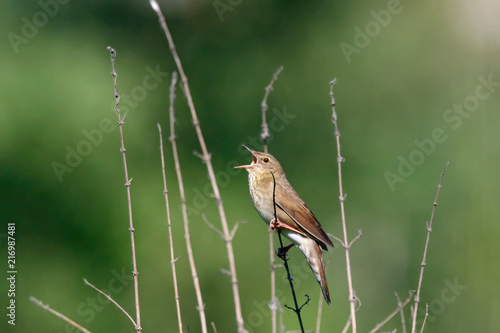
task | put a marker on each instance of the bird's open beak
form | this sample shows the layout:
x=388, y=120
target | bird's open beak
x=249, y=166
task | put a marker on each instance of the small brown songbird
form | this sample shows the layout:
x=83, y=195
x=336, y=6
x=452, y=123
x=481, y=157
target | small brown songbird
x=295, y=219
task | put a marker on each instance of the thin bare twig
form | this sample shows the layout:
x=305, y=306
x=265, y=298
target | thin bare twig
x=337, y=239
x=358, y=236
x=213, y=327
x=194, y=274
x=425, y=318
x=265, y=128
x=272, y=265
x=320, y=310
x=297, y=309
x=128, y=181
x=235, y=228
x=58, y=314
x=347, y=325
x=389, y=317
x=210, y=169
x=264, y=136
x=346, y=243
x=281, y=312
x=211, y=226
x=403, y=322
x=422, y=266
x=172, y=256
x=111, y=299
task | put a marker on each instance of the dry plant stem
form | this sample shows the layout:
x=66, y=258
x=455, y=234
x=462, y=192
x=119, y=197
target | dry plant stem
x=320, y=310
x=194, y=274
x=172, y=256
x=213, y=327
x=422, y=266
x=207, y=160
x=127, y=185
x=289, y=276
x=403, y=322
x=425, y=318
x=347, y=245
x=347, y=325
x=389, y=317
x=273, y=304
x=58, y=314
x=282, y=323
x=264, y=137
x=112, y=300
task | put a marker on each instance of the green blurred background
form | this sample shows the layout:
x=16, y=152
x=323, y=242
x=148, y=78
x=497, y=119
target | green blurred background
x=398, y=86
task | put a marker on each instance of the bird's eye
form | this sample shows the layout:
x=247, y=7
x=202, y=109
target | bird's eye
x=266, y=160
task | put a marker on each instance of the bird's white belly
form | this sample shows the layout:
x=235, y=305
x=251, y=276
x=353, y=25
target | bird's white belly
x=294, y=237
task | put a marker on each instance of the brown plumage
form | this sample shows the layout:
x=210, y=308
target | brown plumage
x=295, y=220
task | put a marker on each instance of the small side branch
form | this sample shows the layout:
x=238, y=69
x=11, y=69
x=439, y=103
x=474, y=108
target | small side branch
x=282, y=322
x=346, y=244
x=393, y=313
x=300, y=307
x=172, y=256
x=58, y=314
x=401, y=312
x=422, y=266
x=211, y=226
x=235, y=228
x=297, y=309
x=425, y=318
x=347, y=325
x=220, y=233
x=111, y=299
x=128, y=180
x=358, y=236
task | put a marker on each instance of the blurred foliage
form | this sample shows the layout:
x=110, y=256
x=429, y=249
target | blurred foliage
x=395, y=89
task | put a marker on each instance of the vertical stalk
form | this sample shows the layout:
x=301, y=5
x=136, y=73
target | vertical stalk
x=128, y=181
x=347, y=245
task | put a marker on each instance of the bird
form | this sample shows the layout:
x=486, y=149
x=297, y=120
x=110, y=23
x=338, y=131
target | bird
x=294, y=219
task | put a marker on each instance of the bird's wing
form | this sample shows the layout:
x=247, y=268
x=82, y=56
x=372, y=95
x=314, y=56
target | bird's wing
x=298, y=211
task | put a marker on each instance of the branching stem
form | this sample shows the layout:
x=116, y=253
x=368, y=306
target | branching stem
x=346, y=243
x=422, y=265
x=128, y=181
x=172, y=256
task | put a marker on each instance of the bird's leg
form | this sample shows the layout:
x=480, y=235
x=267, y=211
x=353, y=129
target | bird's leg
x=282, y=251
x=276, y=223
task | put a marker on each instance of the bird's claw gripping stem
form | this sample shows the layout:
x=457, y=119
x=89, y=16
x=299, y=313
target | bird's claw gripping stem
x=282, y=251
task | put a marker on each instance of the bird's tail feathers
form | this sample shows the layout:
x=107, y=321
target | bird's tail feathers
x=314, y=255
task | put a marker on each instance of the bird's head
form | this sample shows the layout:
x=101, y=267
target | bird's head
x=262, y=165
